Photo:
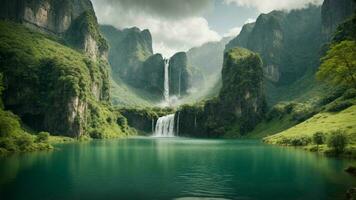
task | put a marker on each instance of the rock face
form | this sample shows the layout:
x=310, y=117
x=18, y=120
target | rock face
x=241, y=100
x=151, y=75
x=74, y=18
x=333, y=13
x=287, y=42
x=242, y=38
x=129, y=49
x=53, y=87
x=180, y=75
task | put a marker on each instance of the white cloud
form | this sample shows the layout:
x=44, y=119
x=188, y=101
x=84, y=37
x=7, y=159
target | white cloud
x=236, y=30
x=169, y=36
x=250, y=20
x=233, y=32
x=266, y=6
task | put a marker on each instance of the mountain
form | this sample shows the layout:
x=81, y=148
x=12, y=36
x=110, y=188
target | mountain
x=239, y=106
x=197, y=57
x=132, y=61
x=334, y=13
x=289, y=44
x=129, y=48
x=180, y=74
x=55, y=70
x=74, y=21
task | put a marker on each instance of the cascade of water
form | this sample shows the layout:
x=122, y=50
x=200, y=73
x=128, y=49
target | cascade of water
x=165, y=126
x=178, y=118
x=166, y=80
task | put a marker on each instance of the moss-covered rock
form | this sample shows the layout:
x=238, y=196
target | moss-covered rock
x=240, y=105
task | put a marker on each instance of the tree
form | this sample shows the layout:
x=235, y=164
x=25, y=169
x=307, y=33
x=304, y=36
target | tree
x=318, y=138
x=339, y=65
x=337, y=141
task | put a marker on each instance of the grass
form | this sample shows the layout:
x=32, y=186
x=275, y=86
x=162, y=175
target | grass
x=123, y=95
x=323, y=122
x=267, y=128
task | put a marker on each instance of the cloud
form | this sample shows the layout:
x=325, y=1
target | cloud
x=236, y=30
x=162, y=8
x=174, y=25
x=266, y=6
x=233, y=32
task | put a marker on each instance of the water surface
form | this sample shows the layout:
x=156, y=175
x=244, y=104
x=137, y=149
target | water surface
x=172, y=168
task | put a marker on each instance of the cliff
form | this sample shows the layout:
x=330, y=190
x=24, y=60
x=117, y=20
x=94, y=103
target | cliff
x=239, y=106
x=129, y=49
x=180, y=75
x=334, y=12
x=54, y=88
x=74, y=20
x=151, y=76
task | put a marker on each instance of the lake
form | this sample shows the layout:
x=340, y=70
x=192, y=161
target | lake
x=173, y=168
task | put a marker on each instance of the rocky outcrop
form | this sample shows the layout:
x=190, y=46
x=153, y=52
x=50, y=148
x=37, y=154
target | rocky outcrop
x=241, y=102
x=180, y=75
x=74, y=18
x=334, y=12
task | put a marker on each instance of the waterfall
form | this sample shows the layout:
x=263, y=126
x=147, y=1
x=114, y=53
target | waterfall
x=165, y=126
x=166, y=81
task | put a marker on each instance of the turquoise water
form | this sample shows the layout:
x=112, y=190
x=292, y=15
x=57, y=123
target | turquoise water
x=153, y=168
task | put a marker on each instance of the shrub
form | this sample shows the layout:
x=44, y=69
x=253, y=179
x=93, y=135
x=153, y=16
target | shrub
x=349, y=94
x=318, y=138
x=24, y=142
x=301, y=141
x=8, y=144
x=332, y=96
x=339, y=106
x=42, y=137
x=337, y=141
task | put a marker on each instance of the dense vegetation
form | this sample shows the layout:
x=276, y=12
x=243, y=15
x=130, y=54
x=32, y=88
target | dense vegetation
x=52, y=83
x=13, y=138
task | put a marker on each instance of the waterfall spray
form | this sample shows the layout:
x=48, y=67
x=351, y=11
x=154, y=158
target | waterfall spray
x=178, y=123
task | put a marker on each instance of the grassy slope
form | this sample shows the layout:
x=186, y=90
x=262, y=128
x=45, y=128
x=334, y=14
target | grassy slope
x=324, y=122
x=267, y=128
x=124, y=95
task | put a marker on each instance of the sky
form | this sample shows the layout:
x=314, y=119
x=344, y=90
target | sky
x=178, y=25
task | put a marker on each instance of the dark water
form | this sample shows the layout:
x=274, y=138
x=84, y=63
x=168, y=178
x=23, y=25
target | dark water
x=149, y=168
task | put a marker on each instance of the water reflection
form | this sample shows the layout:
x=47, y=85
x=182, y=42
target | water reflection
x=173, y=168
